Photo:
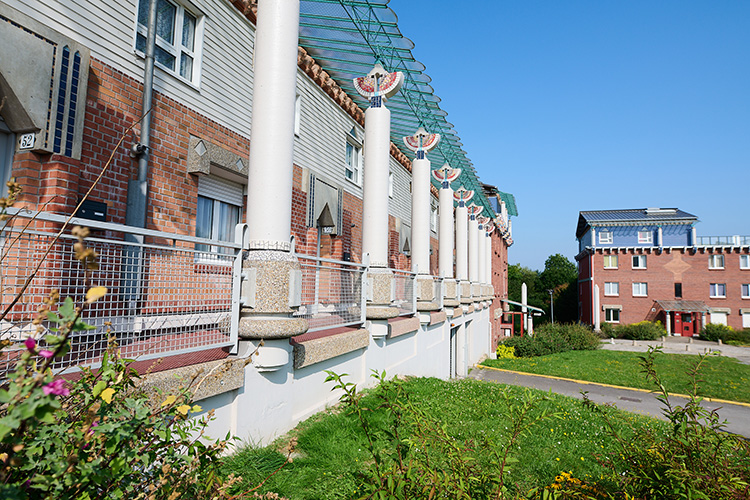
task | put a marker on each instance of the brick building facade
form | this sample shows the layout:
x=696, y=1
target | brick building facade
x=650, y=264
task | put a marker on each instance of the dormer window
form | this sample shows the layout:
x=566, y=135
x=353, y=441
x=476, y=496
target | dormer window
x=605, y=237
x=645, y=237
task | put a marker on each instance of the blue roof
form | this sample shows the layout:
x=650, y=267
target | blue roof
x=631, y=216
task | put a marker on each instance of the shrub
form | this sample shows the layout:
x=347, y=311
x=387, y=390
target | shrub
x=505, y=352
x=644, y=330
x=554, y=338
x=607, y=331
x=714, y=332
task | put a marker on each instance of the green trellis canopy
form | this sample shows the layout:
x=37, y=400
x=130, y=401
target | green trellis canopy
x=347, y=37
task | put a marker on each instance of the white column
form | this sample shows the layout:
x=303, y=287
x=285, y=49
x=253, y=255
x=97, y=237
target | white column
x=524, y=309
x=420, y=216
x=445, y=257
x=375, y=189
x=668, y=321
x=269, y=200
x=597, y=310
x=462, y=241
x=473, y=250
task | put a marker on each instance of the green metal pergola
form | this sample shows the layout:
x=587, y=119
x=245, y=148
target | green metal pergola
x=347, y=38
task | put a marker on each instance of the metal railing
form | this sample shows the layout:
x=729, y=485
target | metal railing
x=331, y=293
x=438, y=290
x=705, y=241
x=164, y=296
x=404, y=296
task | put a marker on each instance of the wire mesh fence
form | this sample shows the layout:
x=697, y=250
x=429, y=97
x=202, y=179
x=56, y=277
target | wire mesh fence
x=404, y=296
x=331, y=293
x=735, y=240
x=163, y=296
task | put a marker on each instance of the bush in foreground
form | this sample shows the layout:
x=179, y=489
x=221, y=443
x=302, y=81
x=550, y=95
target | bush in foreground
x=554, y=338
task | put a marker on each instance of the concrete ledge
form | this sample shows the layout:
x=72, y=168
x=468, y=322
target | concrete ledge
x=319, y=346
x=457, y=311
x=437, y=317
x=204, y=380
x=402, y=326
x=427, y=306
x=470, y=309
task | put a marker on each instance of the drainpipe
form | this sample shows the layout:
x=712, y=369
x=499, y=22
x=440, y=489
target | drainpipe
x=135, y=213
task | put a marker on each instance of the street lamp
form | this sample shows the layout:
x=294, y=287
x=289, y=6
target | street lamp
x=551, y=305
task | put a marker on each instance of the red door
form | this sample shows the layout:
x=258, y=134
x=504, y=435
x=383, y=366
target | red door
x=677, y=324
x=688, y=328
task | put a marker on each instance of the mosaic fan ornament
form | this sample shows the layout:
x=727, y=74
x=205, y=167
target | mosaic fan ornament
x=482, y=220
x=379, y=84
x=489, y=227
x=474, y=211
x=421, y=142
x=462, y=196
x=445, y=175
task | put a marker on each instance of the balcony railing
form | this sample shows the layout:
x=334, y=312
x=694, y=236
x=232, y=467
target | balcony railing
x=404, y=296
x=164, y=296
x=736, y=241
x=331, y=293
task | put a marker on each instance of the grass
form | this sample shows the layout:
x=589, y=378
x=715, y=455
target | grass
x=332, y=452
x=722, y=377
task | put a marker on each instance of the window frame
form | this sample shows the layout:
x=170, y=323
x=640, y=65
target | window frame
x=640, y=259
x=611, y=285
x=715, y=288
x=356, y=145
x=645, y=286
x=745, y=290
x=605, y=241
x=604, y=261
x=175, y=48
x=711, y=261
x=744, y=261
x=609, y=312
x=205, y=253
x=645, y=237
x=297, y=114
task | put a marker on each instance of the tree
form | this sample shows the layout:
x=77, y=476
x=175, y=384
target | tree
x=558, y=271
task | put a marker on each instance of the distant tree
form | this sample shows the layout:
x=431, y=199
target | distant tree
x=558, y=271
x=517, y=275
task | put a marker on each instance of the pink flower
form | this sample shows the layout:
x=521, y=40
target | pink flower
x=46, y=354
x=57, y=388
x=30, y=344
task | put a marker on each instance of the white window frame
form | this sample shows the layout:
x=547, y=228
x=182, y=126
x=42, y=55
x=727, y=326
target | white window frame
x=639, y=261
x=745, y=289
x=606, y=257
x=744, y=261
x=175, y=47
x=716, y=261
x=605, y=237
x=645, y=237
x=718, y=290
x=612, y=288
x=637, y=285
x=297, y=114
x=355, y=167
x=609, y=313
x=433, y=217
x=390, y=184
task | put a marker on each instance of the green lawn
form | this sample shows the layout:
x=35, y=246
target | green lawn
x=332, y=451
x=721, y=377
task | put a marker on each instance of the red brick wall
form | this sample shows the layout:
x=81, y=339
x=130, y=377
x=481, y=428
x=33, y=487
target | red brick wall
x=500, y=284
x=662, y=272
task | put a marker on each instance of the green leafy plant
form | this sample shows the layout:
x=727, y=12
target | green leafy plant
x=505, y=352
x=643, y=330
x=554, y=338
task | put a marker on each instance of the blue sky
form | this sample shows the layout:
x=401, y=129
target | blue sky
x=588, y=104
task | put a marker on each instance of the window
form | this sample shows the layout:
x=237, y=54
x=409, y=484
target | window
x=297, y=114
x=390, y=184
x=678, y=290
x=639, y=262
x=611, y=315
x=611, y=288
x=219, y=210
x=645, y=237
x=746, y=291
x=178, y=38
x=718, y=290
x=640, y=289
x=353, y=158
x=744, y=261
x=434, y=217
x=7, y=148
x=716, y=262
x=610, y=262
x=605, y=237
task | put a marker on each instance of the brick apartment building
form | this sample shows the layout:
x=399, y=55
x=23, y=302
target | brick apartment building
x=74, y=78
x=649, y=264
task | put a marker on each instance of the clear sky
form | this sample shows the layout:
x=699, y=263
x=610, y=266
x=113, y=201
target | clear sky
x=587, y=104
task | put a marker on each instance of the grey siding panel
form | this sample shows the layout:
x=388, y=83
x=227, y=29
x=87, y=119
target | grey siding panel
x=108, y=30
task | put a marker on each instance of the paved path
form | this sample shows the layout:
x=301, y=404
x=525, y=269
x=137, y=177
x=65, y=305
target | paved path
x=640, y=401
x=680, y=345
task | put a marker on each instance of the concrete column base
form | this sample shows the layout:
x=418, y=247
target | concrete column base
x=466, y=293
x=380, y=294
x=451, y=293
x=426, y=297
x=272, y=292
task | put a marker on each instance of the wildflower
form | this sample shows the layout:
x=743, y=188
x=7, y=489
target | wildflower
x=30, y=344
x=107, y=394
x=46, y=354
x=57, y=388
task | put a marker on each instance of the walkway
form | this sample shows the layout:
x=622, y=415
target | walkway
x=640, y=401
